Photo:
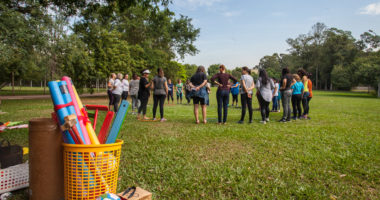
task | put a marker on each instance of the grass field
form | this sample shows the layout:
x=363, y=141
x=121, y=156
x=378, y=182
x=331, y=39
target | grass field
x=5, y=91
x=335, y=155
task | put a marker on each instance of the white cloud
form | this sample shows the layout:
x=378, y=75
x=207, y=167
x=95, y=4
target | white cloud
x=371, y=9
x=195, y=3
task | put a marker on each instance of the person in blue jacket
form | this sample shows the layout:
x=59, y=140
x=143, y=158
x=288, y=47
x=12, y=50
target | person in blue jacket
x=235, y=93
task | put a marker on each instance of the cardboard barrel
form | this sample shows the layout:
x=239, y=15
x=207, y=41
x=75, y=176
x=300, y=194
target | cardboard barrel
x=45, y=160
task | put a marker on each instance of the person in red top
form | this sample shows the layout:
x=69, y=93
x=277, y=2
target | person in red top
x=223, y=93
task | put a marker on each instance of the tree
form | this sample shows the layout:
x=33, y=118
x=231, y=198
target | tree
x=272, y=64
x=237, y=72
x=213, y=69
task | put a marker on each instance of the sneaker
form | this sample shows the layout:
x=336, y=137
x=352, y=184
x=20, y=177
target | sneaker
x=154, y=119
x=267, y=119
x=294, y=118
x=263, y=122
x=240, y=122
x=250, y=121
x=163, y=120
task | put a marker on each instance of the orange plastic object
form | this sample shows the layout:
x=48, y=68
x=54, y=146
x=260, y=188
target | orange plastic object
x=90, y=170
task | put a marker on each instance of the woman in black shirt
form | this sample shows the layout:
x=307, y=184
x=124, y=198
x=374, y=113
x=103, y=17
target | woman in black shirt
x=144, y=93
x=197, y=83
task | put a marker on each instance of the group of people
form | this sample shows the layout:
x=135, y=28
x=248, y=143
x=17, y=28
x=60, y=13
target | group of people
x=294, y=88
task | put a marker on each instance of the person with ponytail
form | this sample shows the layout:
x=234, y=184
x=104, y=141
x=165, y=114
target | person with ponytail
x=160, y=90
x=223, y=93
x=264, y=86
x=286, y=94
x=247, y=85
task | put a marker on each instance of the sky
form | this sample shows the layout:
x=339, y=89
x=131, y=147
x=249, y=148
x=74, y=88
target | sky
x=239, y=32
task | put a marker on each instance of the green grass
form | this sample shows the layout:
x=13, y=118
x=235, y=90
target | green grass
x=336, y=154
x=29, y=91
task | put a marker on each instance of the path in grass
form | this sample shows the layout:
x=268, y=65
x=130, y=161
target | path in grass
x=336, y=154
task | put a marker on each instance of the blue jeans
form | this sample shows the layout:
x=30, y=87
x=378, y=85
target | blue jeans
x=275, y=105
x=223, y=98
x=305, y=103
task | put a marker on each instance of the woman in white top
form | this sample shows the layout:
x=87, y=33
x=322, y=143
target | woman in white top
x=117, y=91
x=125, y=83
x=110, y=84
x=275, y=96
x=247, y=85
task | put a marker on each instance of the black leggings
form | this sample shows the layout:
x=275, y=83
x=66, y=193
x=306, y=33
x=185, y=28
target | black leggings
x=156, y=99
x=143, y=104
x=264, y=107
x=124, y=95
x=116, y=100
x=234, y=98
x=187, y=92
x=110, y=97
x=306, y=111
x=245, y=101
x=170, y=95
x=296, y=104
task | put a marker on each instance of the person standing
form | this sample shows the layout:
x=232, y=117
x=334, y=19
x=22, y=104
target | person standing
x=264, y=86
x=310, y=87
x=286, y=93
x=279, y=98
x=125, y=83
x=170, y=91
x=110, y=85
x=247, y=85
x=298, y=91
x=160, y=90
x=198, y=82
x=179, y=90
x=187, y=91
x=235, y=93
x=117, y=91
x=144, y=93
x=134, y=90
x=275, y=95
x=305, y=97
x=223, y=92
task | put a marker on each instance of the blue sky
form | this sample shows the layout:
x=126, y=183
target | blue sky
x=240, y=32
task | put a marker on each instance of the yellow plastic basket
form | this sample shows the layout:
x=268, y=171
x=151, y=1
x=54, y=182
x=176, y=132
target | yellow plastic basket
x=90, y=170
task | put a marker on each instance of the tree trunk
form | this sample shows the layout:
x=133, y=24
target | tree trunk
x=13, y=83
x=378, y=89
x=331, y=86
x=45, y=83
x=316, y=77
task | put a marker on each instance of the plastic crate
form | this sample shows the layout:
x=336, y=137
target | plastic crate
x=14, y=178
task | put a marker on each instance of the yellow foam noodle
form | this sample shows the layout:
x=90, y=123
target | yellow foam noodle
x=90, y=130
